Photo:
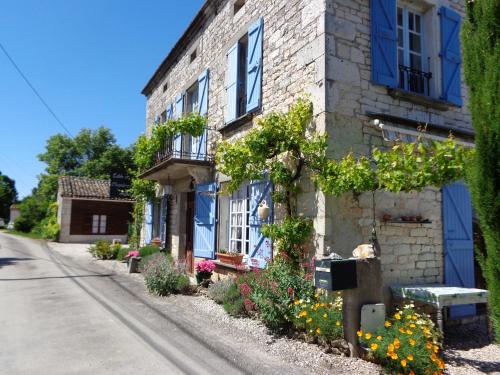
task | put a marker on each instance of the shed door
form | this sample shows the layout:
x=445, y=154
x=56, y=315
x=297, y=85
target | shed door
x=458, y=243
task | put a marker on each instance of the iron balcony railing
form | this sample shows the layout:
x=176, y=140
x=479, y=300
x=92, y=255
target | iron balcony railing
x=184, y=146
x=414, y=80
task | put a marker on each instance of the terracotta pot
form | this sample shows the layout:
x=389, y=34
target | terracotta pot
x=230, y=259
x=156, y=242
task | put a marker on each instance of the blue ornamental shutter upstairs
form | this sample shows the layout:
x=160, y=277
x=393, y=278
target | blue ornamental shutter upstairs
x=384, y=42
x=254, y=65
x=179, y=108
x=170, y=111
x=450, y=56
x=232, y=83
x=199, y=144
x=260, y=246
x=204, y=220
x=458, y=243
x=148, y=223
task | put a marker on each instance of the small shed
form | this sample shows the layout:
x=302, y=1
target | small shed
x=88, y=211
x=14, y=213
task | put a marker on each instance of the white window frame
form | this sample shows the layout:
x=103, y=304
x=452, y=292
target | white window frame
x=243, y=197
x=99, y=224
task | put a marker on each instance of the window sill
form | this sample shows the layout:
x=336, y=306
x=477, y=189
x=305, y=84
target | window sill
x=426, y=101
x=237, y=123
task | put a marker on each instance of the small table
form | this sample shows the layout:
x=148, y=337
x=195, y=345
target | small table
x=439, y=296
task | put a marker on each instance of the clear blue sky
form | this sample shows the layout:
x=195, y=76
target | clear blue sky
x=89, y=59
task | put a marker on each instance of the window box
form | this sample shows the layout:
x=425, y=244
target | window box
x=233, y=259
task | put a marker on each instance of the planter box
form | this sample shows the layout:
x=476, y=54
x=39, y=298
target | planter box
x=230, y=259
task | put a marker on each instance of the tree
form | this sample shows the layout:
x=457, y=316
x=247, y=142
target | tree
x=8, y=195
x=481, y=46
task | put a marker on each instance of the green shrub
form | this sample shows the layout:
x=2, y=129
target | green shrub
x=273, y=289
x=24, y=224
x=319, y=316
x=148, y=250
x=218, y=290
x=163, y=276
x=103, y=250
x=408, y=343
x=122, y=251
x=48, y=227
x=233, y=301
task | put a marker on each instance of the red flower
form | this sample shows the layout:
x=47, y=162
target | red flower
x=245, y=290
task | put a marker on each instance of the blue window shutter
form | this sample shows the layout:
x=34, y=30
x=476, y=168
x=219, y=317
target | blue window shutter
x=204, y=220
x=254, y=65
x=232, y=83
x=384, y=42
x=450, y=56
x=148, y=223
x=170, y=111
x=157, y=119
x=179, y=108
x=199, y=144
x=260, y=246
x=458, y=243
x=163, y=218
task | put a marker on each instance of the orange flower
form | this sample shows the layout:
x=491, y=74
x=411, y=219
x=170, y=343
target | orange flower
x=379, y=338
x=441, y=365
x=397, y=345
x=410, y=357
x=373, y=346
x=413, y=325
x=411, y=372
x=403, y=362
x=337, y=323
x=414, y=317
x=409, y=332
x=428, y=346
x=387, y=324
x=368, y=336
x=433, y=357
x=397, y=316
x=402, y=330
x=390, y=348
x=412, y=342
x=394, y=356
x=318, y=330
x=359, y=333
x=435, y=348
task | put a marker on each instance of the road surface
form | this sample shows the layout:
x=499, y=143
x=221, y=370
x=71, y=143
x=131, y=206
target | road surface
x=58, y=316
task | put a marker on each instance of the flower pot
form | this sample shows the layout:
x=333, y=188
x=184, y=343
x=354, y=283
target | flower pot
x=264, y=211
x=133, y=264
x=235, y=260
x=156, y=242
x=203, y=276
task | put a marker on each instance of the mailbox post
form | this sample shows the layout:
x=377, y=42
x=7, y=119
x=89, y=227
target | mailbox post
x=361, y=281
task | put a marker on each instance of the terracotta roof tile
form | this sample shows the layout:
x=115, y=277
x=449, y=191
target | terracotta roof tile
x=81, y=187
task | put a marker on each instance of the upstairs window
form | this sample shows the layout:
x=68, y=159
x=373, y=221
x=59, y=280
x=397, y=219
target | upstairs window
x=244, y=74
x=410, y=52
x=192, y=99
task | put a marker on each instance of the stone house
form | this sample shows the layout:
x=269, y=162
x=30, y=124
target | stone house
x=376, y=71
x=87, y=211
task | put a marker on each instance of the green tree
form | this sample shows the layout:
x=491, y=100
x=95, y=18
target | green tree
x=481, y=45
x=8, y=195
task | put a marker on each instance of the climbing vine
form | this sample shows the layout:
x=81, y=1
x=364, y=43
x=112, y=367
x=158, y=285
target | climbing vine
x=283, y=146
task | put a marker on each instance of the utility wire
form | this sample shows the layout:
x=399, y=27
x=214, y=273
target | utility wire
x=34, y=90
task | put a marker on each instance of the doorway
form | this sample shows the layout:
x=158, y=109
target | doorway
x=189, y=232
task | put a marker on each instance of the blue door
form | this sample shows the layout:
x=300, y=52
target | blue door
x=260, y=246
x=205, y=220
x=458, y=243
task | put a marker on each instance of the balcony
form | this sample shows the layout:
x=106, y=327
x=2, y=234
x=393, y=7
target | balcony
x=414, y=80
x=179, y=157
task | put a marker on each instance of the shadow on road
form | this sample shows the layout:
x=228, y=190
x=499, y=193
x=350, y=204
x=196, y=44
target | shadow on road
x=57, y=277
x=9, y=261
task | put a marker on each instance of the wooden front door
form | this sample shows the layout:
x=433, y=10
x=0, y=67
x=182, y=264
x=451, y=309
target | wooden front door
x=189, y=233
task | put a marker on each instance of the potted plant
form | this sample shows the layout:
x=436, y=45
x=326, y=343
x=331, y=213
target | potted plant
x=204, y=271
x=133, y=258
x=230, y=257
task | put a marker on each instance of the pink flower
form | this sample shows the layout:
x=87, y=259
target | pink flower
x=290, y=291
x=245, y=290
x=205, y=266
x=249, y=305
x=132, y=254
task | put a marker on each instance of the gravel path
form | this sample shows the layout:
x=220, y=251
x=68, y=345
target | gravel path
x=467, y=349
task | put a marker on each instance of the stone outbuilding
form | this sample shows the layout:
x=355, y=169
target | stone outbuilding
x=377, y=71
x=87, y=211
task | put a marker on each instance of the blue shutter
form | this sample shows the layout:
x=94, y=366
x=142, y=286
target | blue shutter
x=179, y=108
x=157, y=120
x=148, y=223
x=458, y=243
x=260, y=246
x=163, y=218
x=384, y=42
x=450, y=56
x=254, y=65
x=232, y=83
x=199, y=144
x=170, y=111
x=204, y=220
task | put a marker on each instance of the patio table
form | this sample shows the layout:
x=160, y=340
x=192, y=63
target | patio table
x=439, y=296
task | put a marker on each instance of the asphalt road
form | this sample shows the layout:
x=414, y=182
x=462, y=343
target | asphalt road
x=62, y=317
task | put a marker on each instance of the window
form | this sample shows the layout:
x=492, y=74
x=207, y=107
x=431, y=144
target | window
x=165, y=87
x=192, y=99
x=238, y=4
x=410, y=52
x=239, y=222
x=242, y=77
x=99, y=224
x=163, y=117
x=193, y=55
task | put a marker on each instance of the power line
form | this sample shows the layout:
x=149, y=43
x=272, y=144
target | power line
x=34, y=90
